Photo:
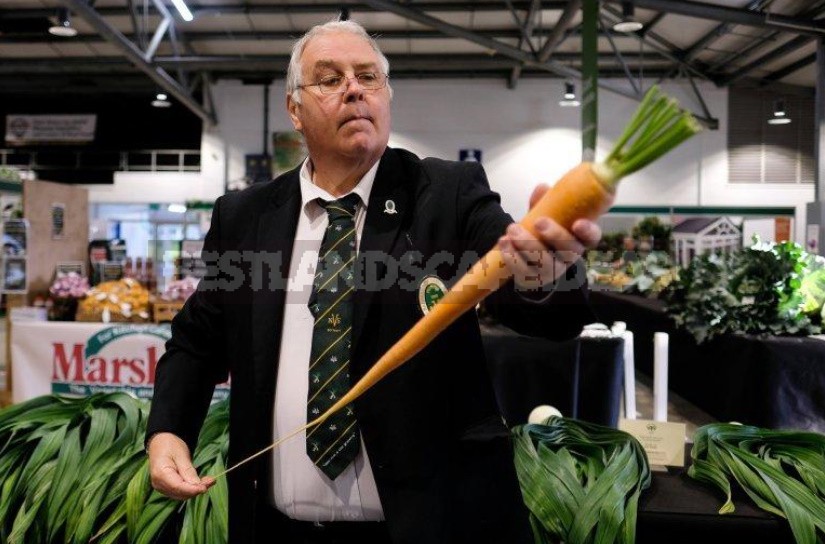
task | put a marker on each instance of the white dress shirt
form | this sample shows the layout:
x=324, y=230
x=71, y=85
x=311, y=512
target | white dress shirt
x=301, y=490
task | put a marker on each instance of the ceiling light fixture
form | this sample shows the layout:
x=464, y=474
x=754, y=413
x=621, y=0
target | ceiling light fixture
x=569, y=98
x=780, y=116
x=628, y=23
x=63, y=27
x=183, y=10
x=161, y=101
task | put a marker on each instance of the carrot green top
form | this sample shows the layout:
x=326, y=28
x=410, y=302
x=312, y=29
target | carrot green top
x=657, y=126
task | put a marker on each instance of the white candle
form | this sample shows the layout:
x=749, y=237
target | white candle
x=660, y=352
x=629, y=377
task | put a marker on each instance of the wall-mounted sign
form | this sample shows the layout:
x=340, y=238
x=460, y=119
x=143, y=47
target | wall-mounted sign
x=14, y=275
x=58, y=220
x=42, y=129
x=15, y=237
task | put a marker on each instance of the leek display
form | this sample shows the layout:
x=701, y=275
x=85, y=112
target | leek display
x=580, y=481
x=783, y=472
x=73, y=470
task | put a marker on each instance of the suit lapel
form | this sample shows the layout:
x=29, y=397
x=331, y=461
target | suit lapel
x=275, y=238
x=381, y=228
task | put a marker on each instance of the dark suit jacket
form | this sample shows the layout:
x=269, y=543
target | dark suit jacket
x=439, y=449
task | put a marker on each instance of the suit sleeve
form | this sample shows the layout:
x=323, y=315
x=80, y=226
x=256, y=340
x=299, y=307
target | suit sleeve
x=193, y=362
x=558, y=317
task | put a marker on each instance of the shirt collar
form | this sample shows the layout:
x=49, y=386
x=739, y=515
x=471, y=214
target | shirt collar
x=310, y=192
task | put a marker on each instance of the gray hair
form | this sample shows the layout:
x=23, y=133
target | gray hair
x=293, y=73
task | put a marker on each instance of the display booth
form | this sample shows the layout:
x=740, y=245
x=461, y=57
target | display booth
x=56, y=231
x=114, y=343
x=767, y=381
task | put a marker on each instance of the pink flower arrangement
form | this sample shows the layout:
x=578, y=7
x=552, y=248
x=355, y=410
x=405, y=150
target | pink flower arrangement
x=71, y=285
x=180, y=290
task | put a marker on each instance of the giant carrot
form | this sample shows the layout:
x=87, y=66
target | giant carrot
x=585, y=192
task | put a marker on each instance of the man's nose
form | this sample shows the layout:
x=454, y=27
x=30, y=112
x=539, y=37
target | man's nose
x=354, y=90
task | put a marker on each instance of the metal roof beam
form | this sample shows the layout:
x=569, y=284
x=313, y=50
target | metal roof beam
x=558, y=34
x=81, y=66
x=493, y=45
x=717, y=32
x=289, y=35
x=529, y=28
x=653, y=22
x=135, y=56
x=619, y=56
x=733, y=15
x=812, y=12
x=296, y=8
x=777, y=53
x=668, y=53
x=791, y=68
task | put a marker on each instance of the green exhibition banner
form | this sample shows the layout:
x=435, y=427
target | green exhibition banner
x=590, y=78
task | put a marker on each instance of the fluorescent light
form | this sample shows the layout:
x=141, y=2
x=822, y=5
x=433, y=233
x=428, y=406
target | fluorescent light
x=183, y=10
x=63, y=27
x=176, y=208
x=780, y=116
x=628, y=23
x=569, y=97
x=628, y=26
x=161, y=101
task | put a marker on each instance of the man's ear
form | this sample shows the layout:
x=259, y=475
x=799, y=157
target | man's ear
x=292, y=108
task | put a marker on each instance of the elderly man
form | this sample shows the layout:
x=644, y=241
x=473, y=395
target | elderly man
x=333, y=263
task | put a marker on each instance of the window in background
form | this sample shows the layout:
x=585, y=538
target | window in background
x=759, y=152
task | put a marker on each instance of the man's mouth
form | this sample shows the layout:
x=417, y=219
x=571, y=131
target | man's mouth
x=356, y=118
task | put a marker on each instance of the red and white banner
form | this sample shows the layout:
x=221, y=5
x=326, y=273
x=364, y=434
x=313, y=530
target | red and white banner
x=84, y=358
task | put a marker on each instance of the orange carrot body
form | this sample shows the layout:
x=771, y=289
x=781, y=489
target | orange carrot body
x=578, y=194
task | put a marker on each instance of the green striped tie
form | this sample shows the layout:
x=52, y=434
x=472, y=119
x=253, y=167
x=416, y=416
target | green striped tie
x=333, y=445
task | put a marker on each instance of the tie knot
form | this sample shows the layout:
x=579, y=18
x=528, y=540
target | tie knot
x=343, y=208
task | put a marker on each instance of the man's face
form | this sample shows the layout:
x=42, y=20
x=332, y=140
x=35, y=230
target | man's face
x=352, y=125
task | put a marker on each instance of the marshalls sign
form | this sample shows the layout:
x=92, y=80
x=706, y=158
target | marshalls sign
x=85, y=358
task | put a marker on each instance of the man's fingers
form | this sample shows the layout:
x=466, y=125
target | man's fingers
x=169, y=482
x=557, y=238
x=538, y=192
x=523, y=273
x=588, y=232
x=171, y=470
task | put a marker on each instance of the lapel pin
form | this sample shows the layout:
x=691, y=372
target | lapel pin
x=389, y=207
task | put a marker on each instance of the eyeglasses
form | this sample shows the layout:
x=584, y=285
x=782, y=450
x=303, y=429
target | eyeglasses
x=336, y=84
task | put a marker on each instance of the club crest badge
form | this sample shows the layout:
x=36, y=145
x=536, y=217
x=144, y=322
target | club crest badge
x=430, y=291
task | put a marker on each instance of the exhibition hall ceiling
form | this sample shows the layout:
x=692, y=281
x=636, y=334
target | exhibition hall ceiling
x=132, y=45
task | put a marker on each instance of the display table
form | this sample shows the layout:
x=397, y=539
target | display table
x=768, y=381
x=580, y=377
x=679, y=510
x=84, y=358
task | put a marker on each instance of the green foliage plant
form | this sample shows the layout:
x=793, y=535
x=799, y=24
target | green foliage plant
x=762, y=289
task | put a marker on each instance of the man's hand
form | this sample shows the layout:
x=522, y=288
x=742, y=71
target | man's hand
x=171, y=470
x=539, y=261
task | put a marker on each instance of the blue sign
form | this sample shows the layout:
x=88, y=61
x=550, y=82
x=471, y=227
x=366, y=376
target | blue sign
x=469, y=155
